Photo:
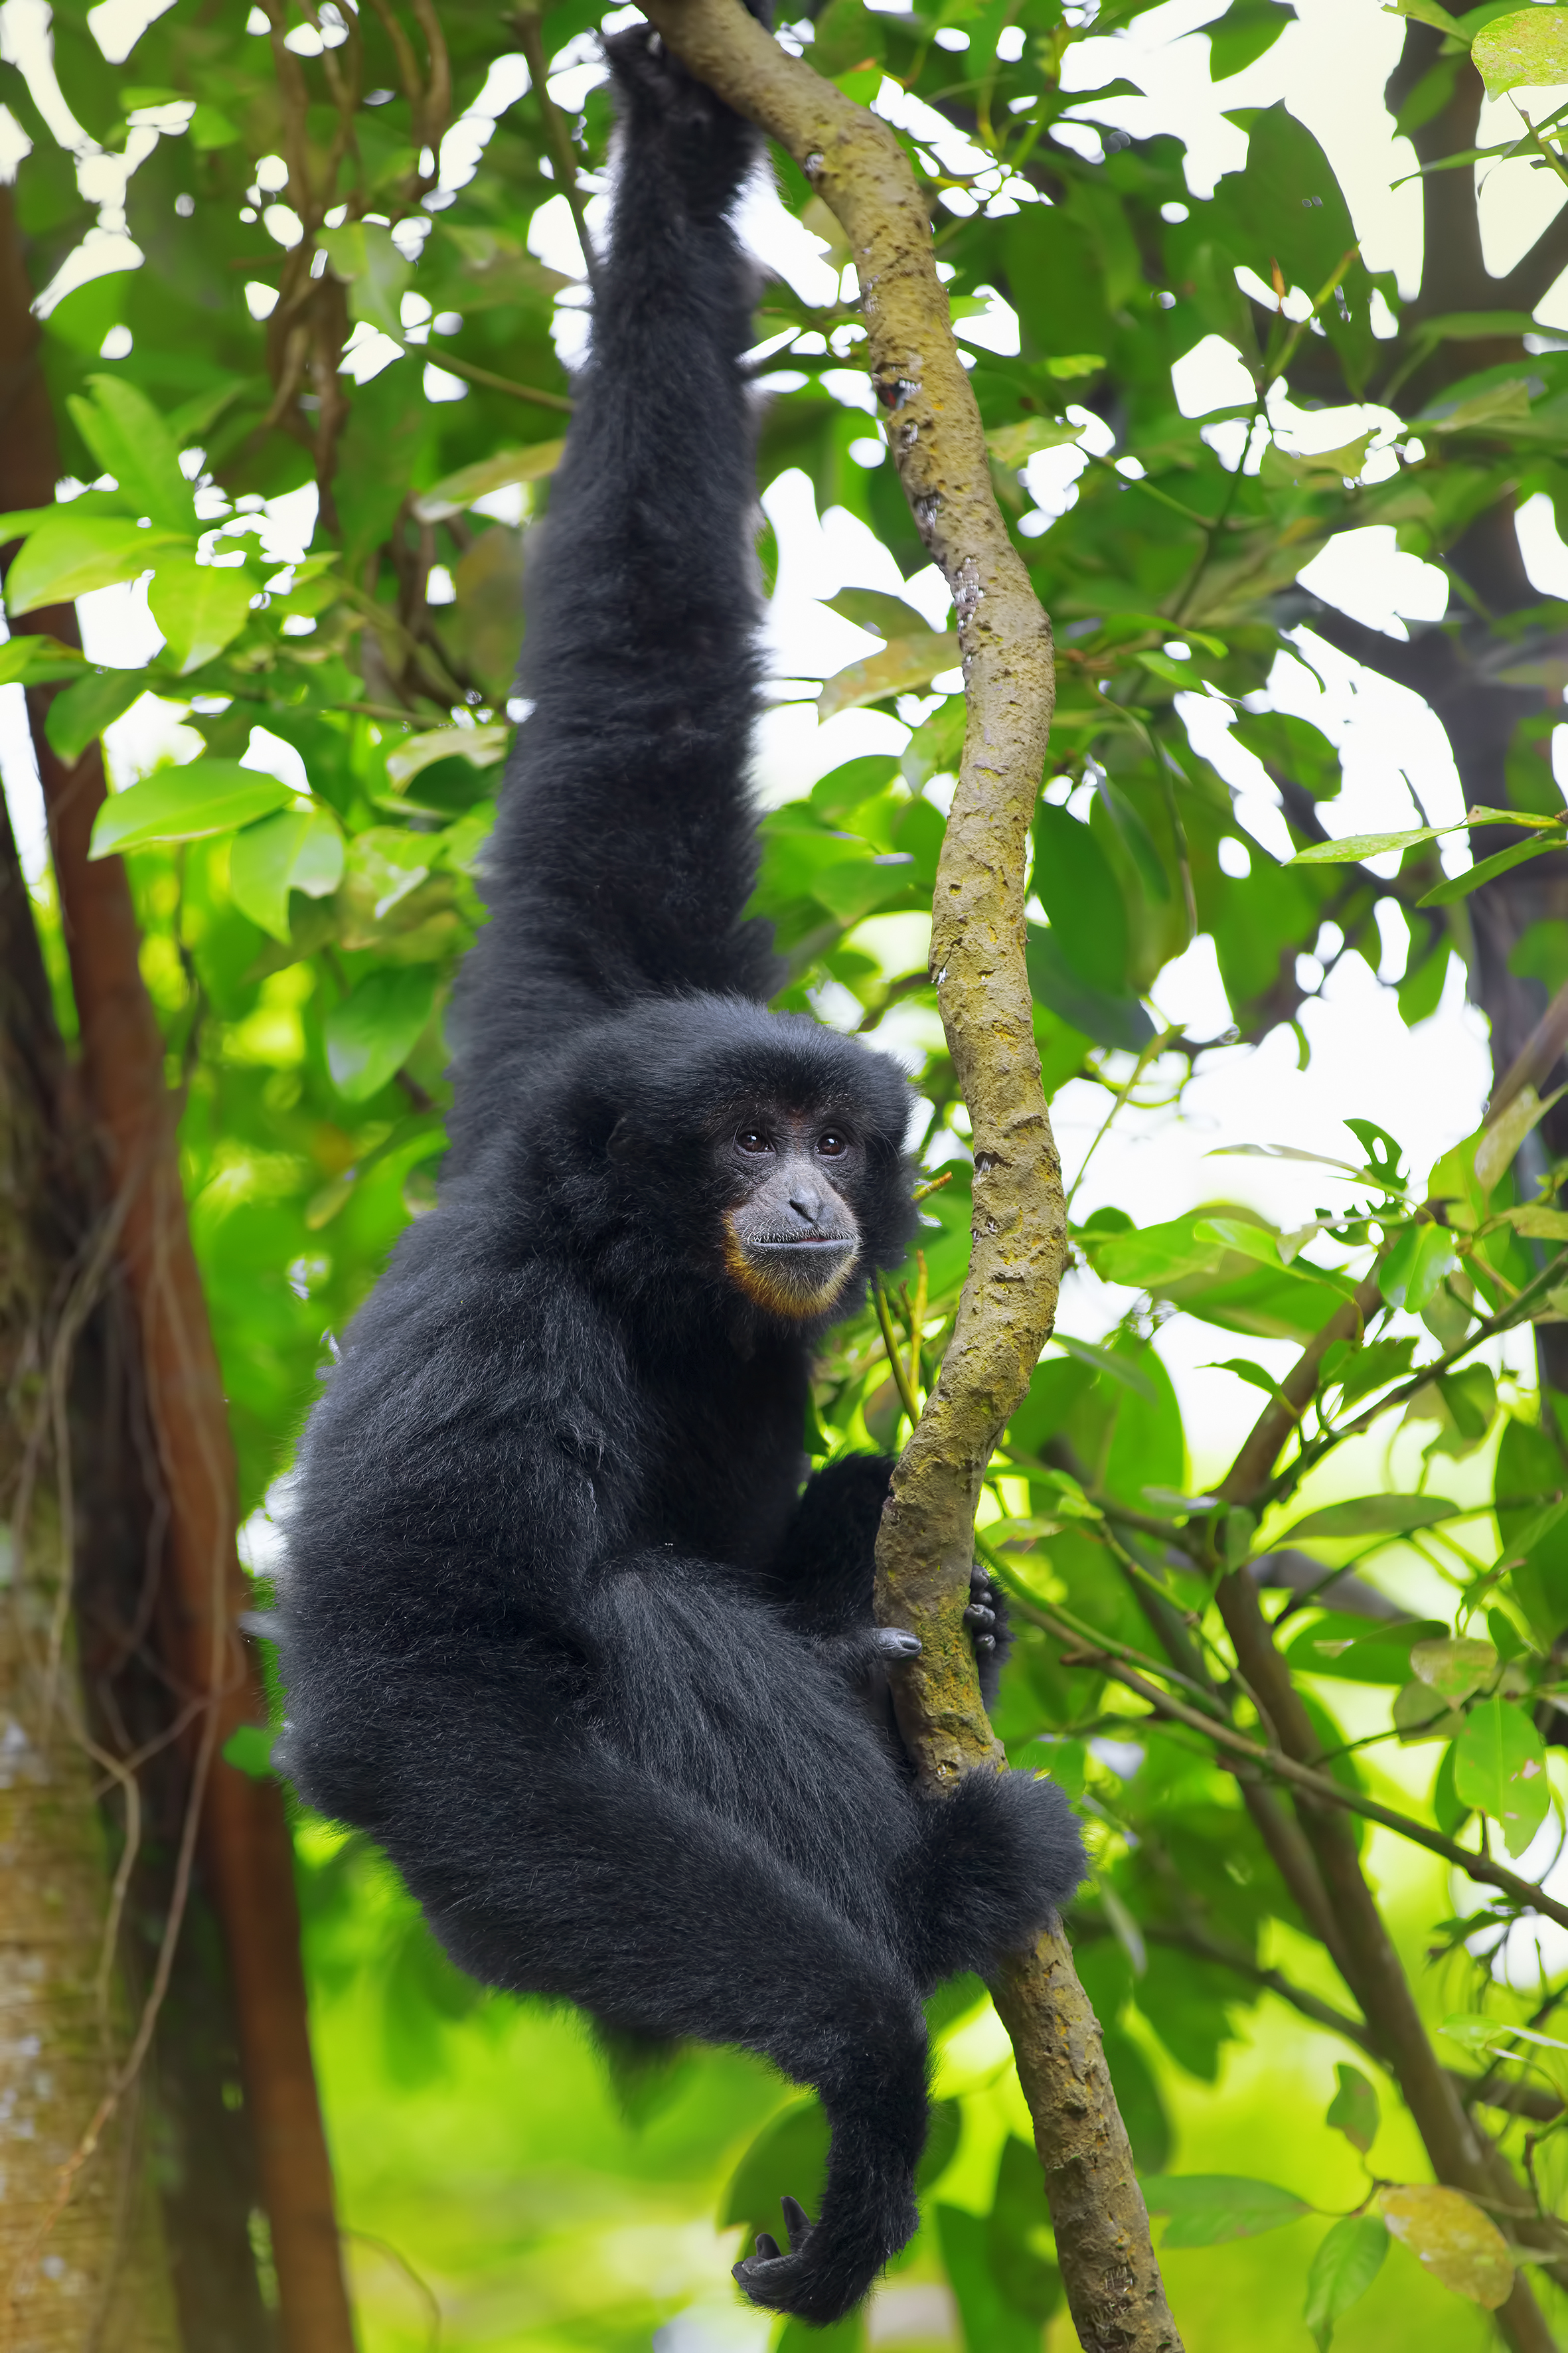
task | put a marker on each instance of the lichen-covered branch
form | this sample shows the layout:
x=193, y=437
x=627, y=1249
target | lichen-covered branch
x=1005, y=1317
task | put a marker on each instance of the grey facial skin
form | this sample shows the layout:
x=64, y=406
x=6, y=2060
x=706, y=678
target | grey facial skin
x=791, y=1240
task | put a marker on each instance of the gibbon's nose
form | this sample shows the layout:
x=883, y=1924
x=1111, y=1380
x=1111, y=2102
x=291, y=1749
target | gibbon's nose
x=807, y=1202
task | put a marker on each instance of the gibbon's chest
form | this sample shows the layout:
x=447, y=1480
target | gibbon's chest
x=726, y=1456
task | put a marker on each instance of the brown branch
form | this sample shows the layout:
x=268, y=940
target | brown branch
x=1008, y=1304
x=526, y=25
x=246, y=1852
x=1459, y=2156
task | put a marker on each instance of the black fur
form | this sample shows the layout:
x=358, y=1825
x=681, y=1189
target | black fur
x=557, y=1627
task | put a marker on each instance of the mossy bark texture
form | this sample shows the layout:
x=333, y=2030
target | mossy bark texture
x=857, y=166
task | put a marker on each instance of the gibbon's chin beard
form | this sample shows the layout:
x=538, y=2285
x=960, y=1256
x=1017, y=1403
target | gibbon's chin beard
x=798, y=1274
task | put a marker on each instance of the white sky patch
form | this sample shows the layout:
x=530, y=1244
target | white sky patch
x=783, y=244
x=467, y=138
x=1513, y=202
x=1211, y=377
x=1365, y=575
x=1542, y=547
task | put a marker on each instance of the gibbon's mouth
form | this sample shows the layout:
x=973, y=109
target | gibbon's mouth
x=792, y=1275
x=813, y=1245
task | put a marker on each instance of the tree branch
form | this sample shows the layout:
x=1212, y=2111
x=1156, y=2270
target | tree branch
x=1008, y=1304
x=1460, y=2156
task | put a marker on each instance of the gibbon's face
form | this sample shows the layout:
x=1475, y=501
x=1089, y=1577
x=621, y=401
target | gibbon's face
x=791, y=1239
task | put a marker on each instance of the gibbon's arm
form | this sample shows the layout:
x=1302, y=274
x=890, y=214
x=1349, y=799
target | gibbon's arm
x=625, y=850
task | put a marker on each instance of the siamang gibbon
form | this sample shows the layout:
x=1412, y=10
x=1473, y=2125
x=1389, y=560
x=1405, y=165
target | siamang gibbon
x=558, y=1627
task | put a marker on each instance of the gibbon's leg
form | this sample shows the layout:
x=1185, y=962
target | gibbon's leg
x=665, y=1921
x=999, y=1857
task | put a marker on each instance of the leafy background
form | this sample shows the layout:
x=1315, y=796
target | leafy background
x=311, y=289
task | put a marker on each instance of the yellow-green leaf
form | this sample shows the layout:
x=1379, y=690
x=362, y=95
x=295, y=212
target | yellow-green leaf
x=1455, y=1668
x=480, y=746
x=1528, y=50
x=184, y=805
x=455, y=491
x=903, y=664
x=1352, y=848
x=70, y=555
x=1013, y=444
x=1459, y=2245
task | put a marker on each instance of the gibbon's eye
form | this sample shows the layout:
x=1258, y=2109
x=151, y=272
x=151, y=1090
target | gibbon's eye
x=832, y=1146
x=752, y=1140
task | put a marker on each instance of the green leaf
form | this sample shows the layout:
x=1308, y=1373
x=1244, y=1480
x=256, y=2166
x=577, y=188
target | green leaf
x=1369, y=1515
x=371, y=1034
x=480, y=746
x=1013, y=444
x=1454, y=1666
x=456, y=491
x=1417, y=1266
x=297, y=850
x=35, y=658
x=1348, y=2259
x=1459, y=886
x=1113, y=1021
x=1500, y=1768
x=365, y=258
x=1352, y=848
x=1528, y=50
x=86, y=709
x=1106, y=1360
x=207, y=128
x=71, y=553
x=249, y=1749
x=128, y=437
x=873, y=609
x=1236, y=1234
x=185, y=804
x=903, y=664
x=1354, y=2110
x=1081, y=896
x=1158, y=1255
x=1460, y=2246
x=200, y=608
x=1208, y=2208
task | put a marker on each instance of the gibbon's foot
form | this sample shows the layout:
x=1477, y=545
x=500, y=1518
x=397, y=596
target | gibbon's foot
x=771, y=2277
x=984, y=1606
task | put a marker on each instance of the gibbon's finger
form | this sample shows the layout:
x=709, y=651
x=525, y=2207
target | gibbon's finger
x=979, y=1618
x=797, y=2222
x=767, y=2249
x=984, y=1642
x=979, y=1580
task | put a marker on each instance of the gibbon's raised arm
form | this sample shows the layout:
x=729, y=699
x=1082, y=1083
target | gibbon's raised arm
x=625, y=850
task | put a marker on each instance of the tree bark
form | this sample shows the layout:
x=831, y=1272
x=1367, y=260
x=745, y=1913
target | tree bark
x=246, y=1849
x=1019, y=1231
x=90, y=2269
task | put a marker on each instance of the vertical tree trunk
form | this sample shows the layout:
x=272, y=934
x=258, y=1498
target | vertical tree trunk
x=83, y=2261
x=245, y=1847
